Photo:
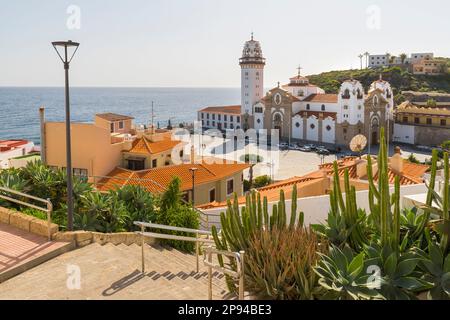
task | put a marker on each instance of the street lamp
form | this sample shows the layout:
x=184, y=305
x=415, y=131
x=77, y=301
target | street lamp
x=66, y=61
x=193, y=170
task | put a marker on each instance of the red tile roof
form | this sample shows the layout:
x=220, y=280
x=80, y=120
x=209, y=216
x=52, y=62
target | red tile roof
x=113, y=116
x=322, y=98
x=146, y=146
x=156, y=180
x=223, y=109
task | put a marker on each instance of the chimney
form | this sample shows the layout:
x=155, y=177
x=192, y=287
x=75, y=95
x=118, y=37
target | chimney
x=361, y=168
x=396, y=161
x=42, y=124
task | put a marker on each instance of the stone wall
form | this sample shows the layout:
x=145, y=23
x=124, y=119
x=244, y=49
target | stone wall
x=25, y=222
x=83, y=238
x=430, y=136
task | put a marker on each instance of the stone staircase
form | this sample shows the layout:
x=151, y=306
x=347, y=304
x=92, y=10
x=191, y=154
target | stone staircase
x=113, y=272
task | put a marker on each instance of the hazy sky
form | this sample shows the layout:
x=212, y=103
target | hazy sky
x=198, y=42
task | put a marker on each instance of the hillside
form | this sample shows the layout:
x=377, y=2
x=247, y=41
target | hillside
x=400, y=80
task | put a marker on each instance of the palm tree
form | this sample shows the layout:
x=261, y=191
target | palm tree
x=367, y=58
x=403, y=57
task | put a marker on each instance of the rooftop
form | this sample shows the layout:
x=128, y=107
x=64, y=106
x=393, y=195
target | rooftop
x=223, y=109
x=156, y=180
x=322, y=98
x=144, y=145
x=113, y=117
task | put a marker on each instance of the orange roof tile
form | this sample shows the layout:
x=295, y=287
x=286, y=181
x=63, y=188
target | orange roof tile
x=156, y=180
x=223, y=109
x=146, y=146
x=322, y=98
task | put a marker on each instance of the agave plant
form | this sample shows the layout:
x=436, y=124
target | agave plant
x=398, y=277
x=437, y=272
x=139, y=204
x=343, y=275
x=412, y=228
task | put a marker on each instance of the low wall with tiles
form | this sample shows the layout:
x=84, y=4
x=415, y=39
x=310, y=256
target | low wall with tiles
x=26, y=222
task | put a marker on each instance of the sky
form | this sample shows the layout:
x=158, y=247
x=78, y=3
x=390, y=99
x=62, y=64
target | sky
x=197, y=43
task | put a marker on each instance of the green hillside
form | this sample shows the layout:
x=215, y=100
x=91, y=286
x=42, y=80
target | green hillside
x=400, y=80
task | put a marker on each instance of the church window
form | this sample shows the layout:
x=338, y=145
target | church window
x=207, y=123
x=345, y=107
x=308, y=107
x=213, y=116
x=359, y=107
x=346, y=94
x=225, y=125
x=207, y=116
x=231, y=118
x=297, y=124
x=344, y=130
x=238, y=127
x=203, y=115
x=224, y=117
x=312, y=126
x=213, y=123
x=258, y=110
x=328, y=128
x=323, y=107
x=231, y=126
x=218, y=117
x=258, y=121
x=238, y=119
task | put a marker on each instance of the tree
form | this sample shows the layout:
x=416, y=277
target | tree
x=261, y=181
x=431, y=103
x=403, y=57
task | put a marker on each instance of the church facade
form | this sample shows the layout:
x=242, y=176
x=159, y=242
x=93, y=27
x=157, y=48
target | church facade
x=302, y=111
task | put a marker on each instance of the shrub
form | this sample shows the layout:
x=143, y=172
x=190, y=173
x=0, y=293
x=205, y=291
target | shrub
x=280, y=264
x=261, y=181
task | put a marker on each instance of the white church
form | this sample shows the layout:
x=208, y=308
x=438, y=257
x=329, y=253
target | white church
x=302, y=111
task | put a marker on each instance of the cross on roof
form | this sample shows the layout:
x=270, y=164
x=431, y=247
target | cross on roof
x=278, y=84
x=299, y=70
x=252, y=35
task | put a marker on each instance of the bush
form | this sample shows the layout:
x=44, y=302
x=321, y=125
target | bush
x=261, y=181
x=251, y=158
x=412, y=158
x=280, y=264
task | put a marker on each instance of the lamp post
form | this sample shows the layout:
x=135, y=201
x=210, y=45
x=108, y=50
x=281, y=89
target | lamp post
x=193, y=170
x=65, y=45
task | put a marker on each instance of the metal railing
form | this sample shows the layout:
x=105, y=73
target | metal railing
x=197, y=239
x=48, y=208
x=237, y=275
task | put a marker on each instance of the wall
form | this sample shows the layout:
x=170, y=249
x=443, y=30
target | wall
x=91, y=148
x=431, y=136
x=328, y=136
x=404, y=133
x=316, y=208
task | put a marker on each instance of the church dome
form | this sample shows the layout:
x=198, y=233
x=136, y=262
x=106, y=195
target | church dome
x=252, y=53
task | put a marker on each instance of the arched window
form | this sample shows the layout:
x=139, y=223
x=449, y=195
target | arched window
x=346, y=94
x=308, y=107
x=323, y=107
x=277, y=118
x=297, y=124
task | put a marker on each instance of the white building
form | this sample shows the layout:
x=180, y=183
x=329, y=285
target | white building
x=10, y=149
x=378, y=60
x=300, y=110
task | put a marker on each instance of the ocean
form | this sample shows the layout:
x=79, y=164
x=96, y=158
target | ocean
x=19, y=107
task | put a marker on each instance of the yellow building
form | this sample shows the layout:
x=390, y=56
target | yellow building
x=214, y=181
x=422, y=125
x=430, y=67
x=109, y=142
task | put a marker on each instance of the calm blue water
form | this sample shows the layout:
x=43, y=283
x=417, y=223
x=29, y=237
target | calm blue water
x=19, y=107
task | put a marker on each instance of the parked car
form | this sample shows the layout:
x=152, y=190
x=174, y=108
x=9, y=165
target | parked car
x=305, y=149
x=283, y=145
x=323, y=151
x=311, y=146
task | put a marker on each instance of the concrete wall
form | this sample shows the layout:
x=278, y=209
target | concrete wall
x=403, y=133
x=91, y=148
x=316, y=208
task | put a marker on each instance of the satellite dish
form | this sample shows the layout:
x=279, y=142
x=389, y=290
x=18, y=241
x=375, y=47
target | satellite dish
x=358, y=143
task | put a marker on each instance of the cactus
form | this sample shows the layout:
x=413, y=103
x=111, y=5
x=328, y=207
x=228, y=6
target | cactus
x=239, y=226
x=384, y=207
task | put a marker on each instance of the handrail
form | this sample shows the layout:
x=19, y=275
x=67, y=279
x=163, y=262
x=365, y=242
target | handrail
x=237, y=275
x=197, y=239
x=165, y=227
x=48, y=209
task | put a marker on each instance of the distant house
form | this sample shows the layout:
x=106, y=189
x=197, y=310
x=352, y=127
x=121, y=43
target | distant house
x=10, y=149
x=378, y=60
